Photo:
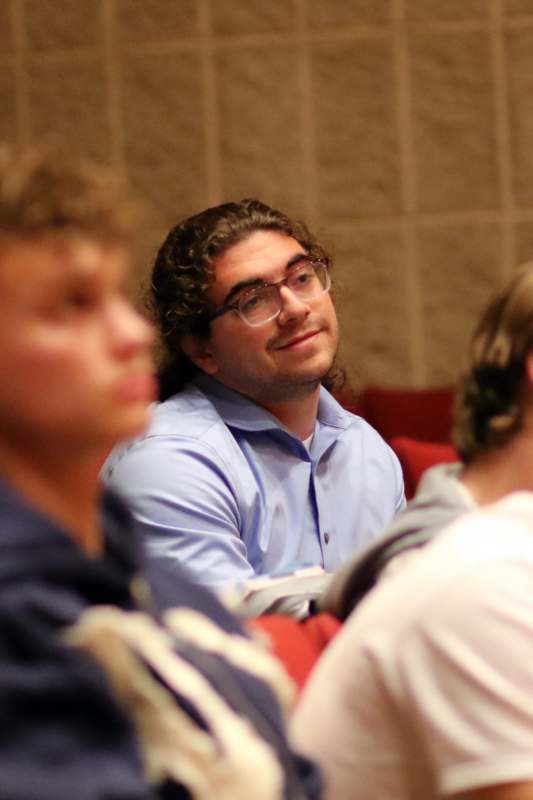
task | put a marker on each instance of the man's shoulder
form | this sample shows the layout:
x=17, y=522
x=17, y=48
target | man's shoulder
x=357, y=426
x=38, y=594
x=187, y=418
x=43, y=568
x=349, y=426
x=358, y=446
x=189, y=413
x=28, y=537
x=462, y=586
x=463, y=564
x=439, y=501
x=184, y=430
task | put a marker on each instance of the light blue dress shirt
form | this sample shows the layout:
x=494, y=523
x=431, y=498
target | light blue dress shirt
x=220, y=486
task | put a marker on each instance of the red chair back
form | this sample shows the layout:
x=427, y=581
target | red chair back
x=422, y=414
x=297, y=644
x=416, y=457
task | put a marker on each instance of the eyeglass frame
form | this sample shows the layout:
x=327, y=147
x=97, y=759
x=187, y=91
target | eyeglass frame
x=276, y=285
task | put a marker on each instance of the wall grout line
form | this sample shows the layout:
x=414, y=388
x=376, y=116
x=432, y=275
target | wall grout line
x=409, y=196
x=503, y=138
x=212, y=154
x=70, y=56
x=430, y=220
x=114, y=85
x=20, y=67
x=307, y=120
x=522, y=22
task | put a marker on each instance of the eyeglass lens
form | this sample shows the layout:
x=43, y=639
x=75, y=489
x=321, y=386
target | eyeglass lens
x=262, y=304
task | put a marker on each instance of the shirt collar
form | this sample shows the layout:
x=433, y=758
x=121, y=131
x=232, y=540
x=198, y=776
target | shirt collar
x=240, y=413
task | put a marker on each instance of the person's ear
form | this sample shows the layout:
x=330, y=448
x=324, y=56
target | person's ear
x=199, y=352
x=529, y=369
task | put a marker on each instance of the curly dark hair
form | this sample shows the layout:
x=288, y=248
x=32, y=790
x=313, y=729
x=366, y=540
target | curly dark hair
x=184, y=270
x=490, y=400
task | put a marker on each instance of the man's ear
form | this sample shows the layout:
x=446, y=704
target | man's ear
x=199, y=351
x=529, y=369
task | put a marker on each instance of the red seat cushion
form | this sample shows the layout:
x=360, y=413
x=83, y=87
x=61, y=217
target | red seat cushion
x=297, y=644
x=415, y=457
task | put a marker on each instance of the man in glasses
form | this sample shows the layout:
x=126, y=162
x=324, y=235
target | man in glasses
x=250, y=467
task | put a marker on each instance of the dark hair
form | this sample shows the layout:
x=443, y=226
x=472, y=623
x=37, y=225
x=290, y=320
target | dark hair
x=184, y=269
x=490, y=401
x=42, y=192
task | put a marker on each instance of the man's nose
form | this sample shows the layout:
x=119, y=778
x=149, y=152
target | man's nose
x=292, y=307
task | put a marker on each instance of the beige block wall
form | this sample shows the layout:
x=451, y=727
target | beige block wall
x=401, y=130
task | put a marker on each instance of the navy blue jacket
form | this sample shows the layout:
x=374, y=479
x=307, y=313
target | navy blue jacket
x=62, y=733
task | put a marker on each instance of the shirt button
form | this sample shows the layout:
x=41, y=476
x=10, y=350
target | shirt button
x=326, y=538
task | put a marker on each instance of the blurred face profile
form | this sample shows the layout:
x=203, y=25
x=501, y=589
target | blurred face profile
x=75, y=361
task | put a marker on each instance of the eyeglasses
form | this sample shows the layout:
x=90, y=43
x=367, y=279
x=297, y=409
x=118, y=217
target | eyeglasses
x=308, y=279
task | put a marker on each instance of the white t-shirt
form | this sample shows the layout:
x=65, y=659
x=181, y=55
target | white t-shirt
x=428, y=690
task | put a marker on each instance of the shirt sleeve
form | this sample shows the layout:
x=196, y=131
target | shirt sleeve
x=467, y=676
x=62, y=734
x=186, y=506
x=398, y=482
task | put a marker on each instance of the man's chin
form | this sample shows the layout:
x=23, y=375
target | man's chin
x=315, y=373
x=303, y=384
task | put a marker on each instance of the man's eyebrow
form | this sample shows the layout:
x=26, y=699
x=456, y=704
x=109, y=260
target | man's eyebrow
x=253, y=282
x=295, y=259
x=249, y=284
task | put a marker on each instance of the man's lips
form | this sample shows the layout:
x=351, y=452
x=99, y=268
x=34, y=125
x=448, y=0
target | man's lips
x=297, y=340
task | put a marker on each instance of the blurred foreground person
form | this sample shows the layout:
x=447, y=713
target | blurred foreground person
x=99, y=699
x=427, y=692
x=491, y=435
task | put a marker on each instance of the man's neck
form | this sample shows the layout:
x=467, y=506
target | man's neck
x=66, y=491
x=298, y=415
x=501, y=471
